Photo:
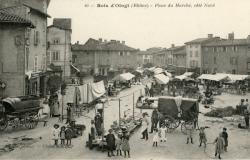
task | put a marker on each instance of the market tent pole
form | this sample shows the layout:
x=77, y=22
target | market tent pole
x=140, y=95
x=102, y=120
x=133, y=105
x=119, y=111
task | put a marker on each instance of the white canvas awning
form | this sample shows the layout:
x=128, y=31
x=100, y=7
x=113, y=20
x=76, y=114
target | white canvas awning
x=235, y=77
x=168, y=74
x=158, y=70
x=216, y=77
x=124, y=77
x=161, y=79
x=188, y=74
x=181, y=77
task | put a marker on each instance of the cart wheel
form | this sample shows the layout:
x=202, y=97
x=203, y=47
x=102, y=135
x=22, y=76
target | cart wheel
x=30, y=122
x=183, y=128
x=3, y=123
x=170, y=122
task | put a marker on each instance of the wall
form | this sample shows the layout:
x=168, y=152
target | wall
x=223, y=64
x=83, y=58
x=63, y=47
x=12, y=59
x=194, y=48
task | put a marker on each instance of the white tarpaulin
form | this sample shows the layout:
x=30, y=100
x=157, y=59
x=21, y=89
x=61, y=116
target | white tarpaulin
x=168, y=74
x=188, y=74
x=181, y=77
x=235, y=77
x=216, y=77
x=161, y=78
x=98, y=89
x=158, y=70
x=125, y=77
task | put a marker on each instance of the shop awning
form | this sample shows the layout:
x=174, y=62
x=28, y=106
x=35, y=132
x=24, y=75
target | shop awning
x=124, y=77
x=168, y=74
x=31, y=74
x=188, y=74
x=216, y=77
x=235, y=77
x=139, y=71
x=158, y=70
x=161, y=78
x=75, y=68
x=181, y=77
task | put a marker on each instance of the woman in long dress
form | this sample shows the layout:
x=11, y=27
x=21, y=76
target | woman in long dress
x=219, y=147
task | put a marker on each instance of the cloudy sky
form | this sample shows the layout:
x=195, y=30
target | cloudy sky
x=144, y=28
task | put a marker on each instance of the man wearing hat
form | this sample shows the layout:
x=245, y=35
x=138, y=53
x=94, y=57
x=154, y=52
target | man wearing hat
x=110, y=138
x=98, y=123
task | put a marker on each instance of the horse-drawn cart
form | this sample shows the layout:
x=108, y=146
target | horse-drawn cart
x=19, y=111
x=177, y=110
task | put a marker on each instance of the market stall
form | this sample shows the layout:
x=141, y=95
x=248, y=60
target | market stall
x=123, y=80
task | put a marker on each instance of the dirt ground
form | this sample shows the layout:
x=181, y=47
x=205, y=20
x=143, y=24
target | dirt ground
x=174, y=148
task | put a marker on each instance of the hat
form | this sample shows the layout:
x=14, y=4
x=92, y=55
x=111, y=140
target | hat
x=224, y=128
x=56, y=125
x=110, y=130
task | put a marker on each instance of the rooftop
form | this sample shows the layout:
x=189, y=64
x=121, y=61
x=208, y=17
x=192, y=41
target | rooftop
x=229, y=42
x=94, y=45
x=62, y=23
x=14, y=19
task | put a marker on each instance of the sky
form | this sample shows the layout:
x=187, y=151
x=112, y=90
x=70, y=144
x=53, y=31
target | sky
x=143, y=28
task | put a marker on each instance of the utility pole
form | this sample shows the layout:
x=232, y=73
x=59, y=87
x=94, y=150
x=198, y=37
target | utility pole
x=119, y=112
x=133, y=105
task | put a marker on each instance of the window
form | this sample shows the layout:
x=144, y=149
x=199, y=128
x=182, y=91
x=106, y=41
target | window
x=36, y=38
x=196, y=46
x=196, y=54
x=35, y=63
x=233, y=60
x=248, y=65
x=215, y=62
x=224, y=49
x=235, y=48
x=55, y=55
x=191, y=46
x=56, y=41
x=191, y=54
x=74, y=57
x=27, y=52
x=206, y=49
x=44, y=62
x=215, y=49
x=120, y=53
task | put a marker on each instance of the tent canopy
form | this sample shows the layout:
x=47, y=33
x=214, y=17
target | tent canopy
x=158, y=70
x=188, y=74
x=235, y=77
x=168, y=74
x=181, y=77
x=216, y=77
x=124, y=77
x=161, y=79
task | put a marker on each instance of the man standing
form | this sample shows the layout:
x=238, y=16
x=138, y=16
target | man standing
x=145, y=124
x=154, y=120
x=225, y=137
x=246, y=116
x=98, y=123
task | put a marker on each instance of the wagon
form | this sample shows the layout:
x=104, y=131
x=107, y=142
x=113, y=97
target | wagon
x=171, y=117
x=19, y=111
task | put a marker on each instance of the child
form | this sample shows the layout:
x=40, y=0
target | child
x=62, y=135
x=110, y=138
x=125, y=143
x=225, y=137
x=190, y=130
x=163, y=133
x=56, y=133
x=219, y=145
x=203, y=137
x=118, y=142
x=92, y=129
x=68, y=135
x=155, y=137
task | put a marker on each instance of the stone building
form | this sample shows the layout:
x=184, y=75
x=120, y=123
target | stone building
x=194, y=52
x=227, y=56
x=23, y=26
x=179, y=59
x=146, y=57
x=59, y=45
x=98, y=57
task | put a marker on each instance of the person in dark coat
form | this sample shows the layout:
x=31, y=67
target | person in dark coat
x=110, y=138
x=154, y=120
x=151, y=91
x=225, y=137
x=68, y=114
x=98, y=124
x=68, y=135
x=246, y=117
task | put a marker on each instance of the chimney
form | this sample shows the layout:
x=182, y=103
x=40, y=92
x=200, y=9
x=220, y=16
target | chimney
x=100, y=39
x=210, y=36
x=112, y=40
x=172, y=45
x=77, y=42
x=105, y=41
x=118, y=41
x=123, y=42
x=231, y=36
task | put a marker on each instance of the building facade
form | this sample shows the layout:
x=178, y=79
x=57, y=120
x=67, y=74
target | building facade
x=194, y=52
x=227, y=56
x=23, y=48
x=59, y=45
x=144, y=57
x=100, y=57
